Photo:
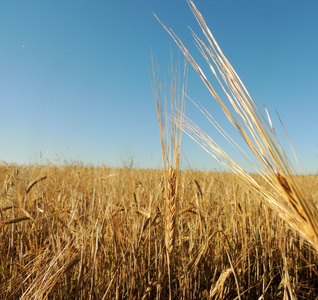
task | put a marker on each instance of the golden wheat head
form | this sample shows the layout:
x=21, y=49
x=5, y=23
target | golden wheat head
x=170, y=137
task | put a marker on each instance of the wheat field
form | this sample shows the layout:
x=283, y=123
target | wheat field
x=80, y=232
x=88, y=232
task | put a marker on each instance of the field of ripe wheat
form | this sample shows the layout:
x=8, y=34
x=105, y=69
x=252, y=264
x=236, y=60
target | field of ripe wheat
x=81, y=232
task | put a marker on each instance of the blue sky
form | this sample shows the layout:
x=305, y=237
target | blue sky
x=74, y=82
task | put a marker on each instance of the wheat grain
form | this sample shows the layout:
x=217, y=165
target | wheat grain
x=170, y=210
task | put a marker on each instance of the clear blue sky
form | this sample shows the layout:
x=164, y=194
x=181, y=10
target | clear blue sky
x=74, y=82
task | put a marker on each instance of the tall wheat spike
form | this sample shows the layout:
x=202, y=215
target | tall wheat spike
x=170, y=137
x=290, y=198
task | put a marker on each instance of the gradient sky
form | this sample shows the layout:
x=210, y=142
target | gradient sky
x=74, y=81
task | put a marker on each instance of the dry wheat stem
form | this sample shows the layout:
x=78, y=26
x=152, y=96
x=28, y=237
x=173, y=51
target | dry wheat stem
x=170, y=137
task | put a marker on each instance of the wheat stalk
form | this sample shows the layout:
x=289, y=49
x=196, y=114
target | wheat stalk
x=289, y=197
x=170, y=137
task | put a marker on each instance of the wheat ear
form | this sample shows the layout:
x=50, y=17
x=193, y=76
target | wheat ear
x=170, y=137
x=171, y=209
x=289, y=197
